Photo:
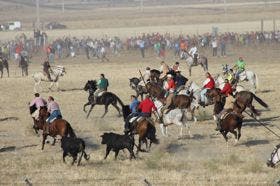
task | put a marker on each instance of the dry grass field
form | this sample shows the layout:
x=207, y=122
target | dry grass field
x=201, y=160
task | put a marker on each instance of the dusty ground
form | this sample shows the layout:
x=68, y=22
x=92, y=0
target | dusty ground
x=201, y=160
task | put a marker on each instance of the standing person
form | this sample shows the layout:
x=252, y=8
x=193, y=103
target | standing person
x=38, y=102
x=208, y=84
x=214, y=46
x=23, y=64
x=142, y=47
x=102, y=86
x=223, y=47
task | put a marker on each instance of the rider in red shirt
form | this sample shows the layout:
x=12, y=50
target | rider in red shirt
x=227, y=88
x=147, y=106
x=209, y=83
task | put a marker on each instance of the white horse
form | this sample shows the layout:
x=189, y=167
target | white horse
x=251, y=77
x=55, y=73
x=175, y=116
x=275, y=157
x=220, y=83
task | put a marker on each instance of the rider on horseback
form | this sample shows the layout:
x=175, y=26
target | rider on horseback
x=47, y=69
x=146, y=77
x=170, y=89
x=194, y=53
x=164, y=69
x=209, y=83
x=133, y=106
x=240, y=66
x=147, y=106
x=38, y=102
x=102, y=86
x=54, y=110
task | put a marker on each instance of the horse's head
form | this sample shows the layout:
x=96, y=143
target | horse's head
x=126, y=111
x=274, y=158
x=90, y=85
x=43, y=113
x=133, y=82
x=225, y=68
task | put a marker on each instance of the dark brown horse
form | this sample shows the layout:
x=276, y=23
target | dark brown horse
x=57, y=127
x=244, y=99
x=144, y=128
x=228, y=121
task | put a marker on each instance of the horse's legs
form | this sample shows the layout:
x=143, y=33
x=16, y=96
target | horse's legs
x=57, y=85
x=8, y=72
x=64, y=155
x=224, y=133
x=80, y=158
x=239, y=133
x=190, y=70
x=254, y=111
x=54, y=140
x=108, y=149
x=116, y=154
x=235, y=135
x=88, y=103
x=74, y=159
x=106, y=110
x=1, y=73
x=118, y=109
x=139, y=145
x=91, y=107
x=44, y=139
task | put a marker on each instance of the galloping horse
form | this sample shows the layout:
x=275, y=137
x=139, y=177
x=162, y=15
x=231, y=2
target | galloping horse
x=244, y=99
x=56, y=72
x=220, y=83
x=57, y=127
x=202, y=61
x=107, y=98
x=144, y=128
x=4, y=64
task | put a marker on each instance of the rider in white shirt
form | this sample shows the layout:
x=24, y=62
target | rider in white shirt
x=194, y=53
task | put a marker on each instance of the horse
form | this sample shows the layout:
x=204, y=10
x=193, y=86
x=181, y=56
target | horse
x=202, y=61
x=228, y=121
x=274, y=157
x=57, y=127
x=143, y=127
x=4, y=64
x=244, y=99
x=175, y=116
x=154, y=75
x=56, y=72
x=107, y=98
x=140, y=90
x=246, y=75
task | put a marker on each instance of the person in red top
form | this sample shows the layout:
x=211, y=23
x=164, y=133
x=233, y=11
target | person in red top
x=147, y=106
x=170, y=89
x=227, y=88
x=209, y=83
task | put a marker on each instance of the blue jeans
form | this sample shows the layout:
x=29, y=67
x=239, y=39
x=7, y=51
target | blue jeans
x=203, y=97
x=54, y=115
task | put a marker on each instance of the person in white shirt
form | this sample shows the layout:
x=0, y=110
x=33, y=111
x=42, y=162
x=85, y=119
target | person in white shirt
x=215, y=46
x=194, y=53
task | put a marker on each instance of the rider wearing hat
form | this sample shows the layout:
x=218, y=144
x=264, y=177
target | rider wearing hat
x=170, y=89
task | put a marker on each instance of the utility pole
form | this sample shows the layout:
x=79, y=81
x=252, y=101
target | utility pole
x=62, y=6
x=141, y=5
x=38, y=14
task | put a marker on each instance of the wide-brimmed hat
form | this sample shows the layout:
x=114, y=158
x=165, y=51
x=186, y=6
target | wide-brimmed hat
x=169, y=76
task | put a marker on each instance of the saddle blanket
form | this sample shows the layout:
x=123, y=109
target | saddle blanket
x=136, y=118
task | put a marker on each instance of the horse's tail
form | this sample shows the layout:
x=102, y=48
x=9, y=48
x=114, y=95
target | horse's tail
x=260, y=101
x=70, y=130
x=120, y=101
x=151, y=134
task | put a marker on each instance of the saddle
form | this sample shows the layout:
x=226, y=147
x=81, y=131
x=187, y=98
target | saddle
x=101, y=93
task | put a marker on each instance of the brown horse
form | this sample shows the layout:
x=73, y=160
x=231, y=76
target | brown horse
x=229, y=121
x=144, y=128
x=57, y=127
x=244, y=99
